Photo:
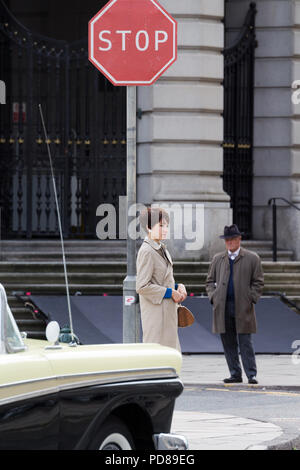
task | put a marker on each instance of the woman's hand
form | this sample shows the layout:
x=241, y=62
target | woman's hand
x=177, y=296
x=182, y=290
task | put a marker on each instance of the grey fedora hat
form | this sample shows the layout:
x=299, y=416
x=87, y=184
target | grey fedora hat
x=231, y=231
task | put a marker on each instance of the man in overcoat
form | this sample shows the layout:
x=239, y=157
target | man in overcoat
x=234, y=284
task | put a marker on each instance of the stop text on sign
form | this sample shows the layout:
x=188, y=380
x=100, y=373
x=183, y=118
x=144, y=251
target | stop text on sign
x=142, y=39
x=125, y=31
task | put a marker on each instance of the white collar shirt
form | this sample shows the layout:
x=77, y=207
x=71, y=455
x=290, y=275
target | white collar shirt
x=233, y=255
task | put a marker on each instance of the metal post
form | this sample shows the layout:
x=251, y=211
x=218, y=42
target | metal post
x=131, y=324
x=29, y=137
x=274, y=231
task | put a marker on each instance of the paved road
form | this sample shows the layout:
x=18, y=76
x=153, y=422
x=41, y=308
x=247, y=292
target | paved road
x=215, y=417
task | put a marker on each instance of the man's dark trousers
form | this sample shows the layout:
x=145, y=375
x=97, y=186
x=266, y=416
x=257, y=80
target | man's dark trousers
x=231, y=341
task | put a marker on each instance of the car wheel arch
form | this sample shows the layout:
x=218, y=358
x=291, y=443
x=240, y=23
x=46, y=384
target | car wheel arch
x=140, y=427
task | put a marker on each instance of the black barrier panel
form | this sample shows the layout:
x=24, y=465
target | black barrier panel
x=98, y=320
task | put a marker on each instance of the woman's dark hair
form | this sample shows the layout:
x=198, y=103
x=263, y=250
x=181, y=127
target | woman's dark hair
x=151, y=216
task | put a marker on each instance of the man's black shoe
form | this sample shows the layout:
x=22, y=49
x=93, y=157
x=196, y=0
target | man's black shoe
x=233, y=380
x=252, y=380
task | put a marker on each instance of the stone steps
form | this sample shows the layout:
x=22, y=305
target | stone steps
x=56, y=255
x=185, y=267
x=110, y=282
x=99, y=267
x=43, y=278
x=100, y=278
x=40, y=250
x=91, y=250
x=57, y=267
x=264, y=248
x=35, y=328
x=72, y=245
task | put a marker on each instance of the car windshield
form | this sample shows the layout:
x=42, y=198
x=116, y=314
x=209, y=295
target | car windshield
x=11, y=340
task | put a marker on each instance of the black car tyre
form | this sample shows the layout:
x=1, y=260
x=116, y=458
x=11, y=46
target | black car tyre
x=114, y=435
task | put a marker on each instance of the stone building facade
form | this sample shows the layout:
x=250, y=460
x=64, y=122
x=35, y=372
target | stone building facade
x=181, y=132
x=276, y=119
x=180, y=158
x=181, y=122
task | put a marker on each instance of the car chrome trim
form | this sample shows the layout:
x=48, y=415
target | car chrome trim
x=170, y=442
x=121, y=376
x=15, y=349
x=69, y=381
x=29, y=395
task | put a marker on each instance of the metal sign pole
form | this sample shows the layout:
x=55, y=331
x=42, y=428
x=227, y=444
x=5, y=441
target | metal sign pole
x=131, y=324
x=131, y=61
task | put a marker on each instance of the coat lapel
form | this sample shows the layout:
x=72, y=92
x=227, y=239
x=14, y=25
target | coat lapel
x=167, y=254
x=152, y=243
x=226, y=260
x=240, y=255
x=156, y=247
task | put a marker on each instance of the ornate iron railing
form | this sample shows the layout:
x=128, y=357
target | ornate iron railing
x=86, y=122
x=238, y=122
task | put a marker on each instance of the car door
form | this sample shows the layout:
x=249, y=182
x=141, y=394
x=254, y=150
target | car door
x=29, y=410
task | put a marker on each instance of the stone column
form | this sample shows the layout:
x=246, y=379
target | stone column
x=180, y=158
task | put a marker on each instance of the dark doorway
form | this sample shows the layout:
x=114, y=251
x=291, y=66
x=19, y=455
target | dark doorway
x=44, y=59
x=238, y=123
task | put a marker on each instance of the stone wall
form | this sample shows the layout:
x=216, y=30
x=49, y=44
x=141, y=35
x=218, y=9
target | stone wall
x=180, y=158
x=294, y=215
x=276, y=120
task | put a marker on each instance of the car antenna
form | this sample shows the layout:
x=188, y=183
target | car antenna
x=73, y=342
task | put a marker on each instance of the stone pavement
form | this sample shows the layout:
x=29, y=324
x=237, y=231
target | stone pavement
x=208, y=431
x=272, y=370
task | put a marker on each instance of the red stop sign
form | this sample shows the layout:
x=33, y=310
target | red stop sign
x=132, y=42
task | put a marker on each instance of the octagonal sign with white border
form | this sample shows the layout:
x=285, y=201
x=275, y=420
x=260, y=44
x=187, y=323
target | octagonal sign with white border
x=132, y=42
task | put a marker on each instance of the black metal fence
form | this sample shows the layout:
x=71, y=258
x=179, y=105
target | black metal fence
x=238, y=123
x=86, y=123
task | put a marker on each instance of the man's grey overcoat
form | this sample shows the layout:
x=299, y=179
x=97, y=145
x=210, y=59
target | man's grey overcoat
x=248, y=280
x=159, y=315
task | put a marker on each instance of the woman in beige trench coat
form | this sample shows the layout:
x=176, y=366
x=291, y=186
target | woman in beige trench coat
x=155, y=283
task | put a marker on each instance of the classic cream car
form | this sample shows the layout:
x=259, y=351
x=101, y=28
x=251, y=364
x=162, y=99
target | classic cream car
x=106, y=397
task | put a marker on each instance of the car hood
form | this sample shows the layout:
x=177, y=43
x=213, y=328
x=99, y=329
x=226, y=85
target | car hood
x=93, y=364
